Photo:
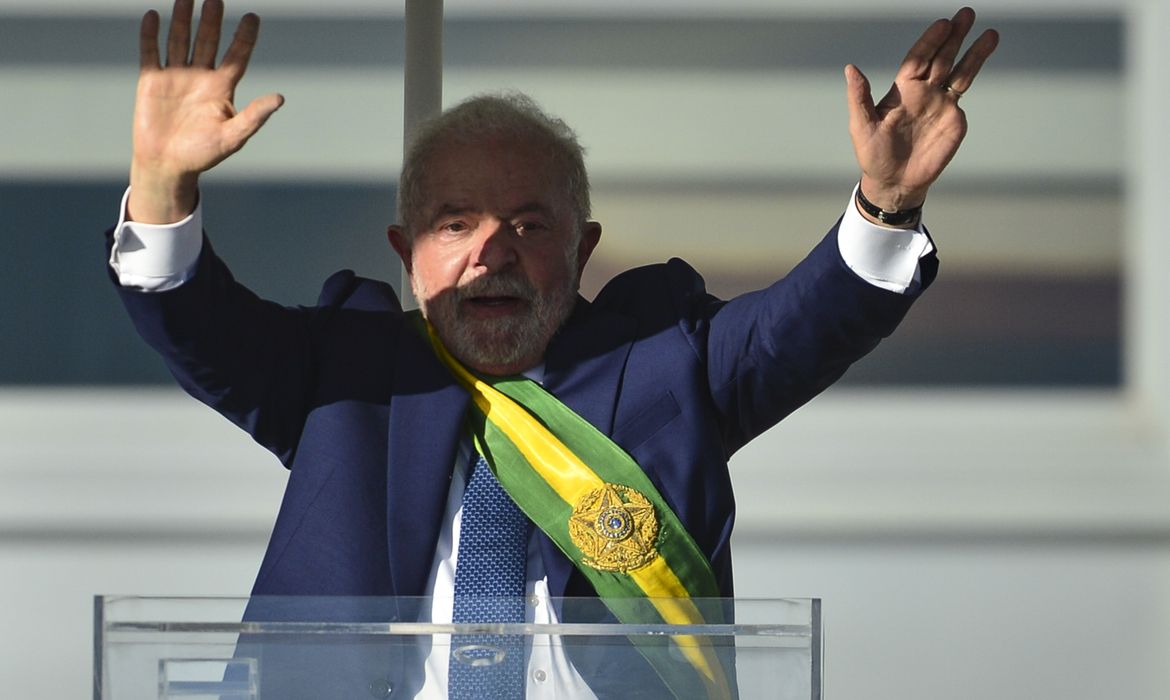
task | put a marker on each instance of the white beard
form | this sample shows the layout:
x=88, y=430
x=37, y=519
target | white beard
x=503, y=341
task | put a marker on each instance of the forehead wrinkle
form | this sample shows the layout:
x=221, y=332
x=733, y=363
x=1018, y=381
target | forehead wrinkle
x=533, y=207
x=448, y=208
x=458, y=209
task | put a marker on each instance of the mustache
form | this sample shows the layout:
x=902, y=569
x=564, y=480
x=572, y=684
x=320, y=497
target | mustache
x=496, y=286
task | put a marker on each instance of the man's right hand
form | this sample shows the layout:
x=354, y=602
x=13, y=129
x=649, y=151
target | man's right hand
x=185, y=120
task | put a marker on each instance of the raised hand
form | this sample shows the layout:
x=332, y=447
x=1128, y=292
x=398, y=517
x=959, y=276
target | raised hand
x=185, y=120
x=904, y=142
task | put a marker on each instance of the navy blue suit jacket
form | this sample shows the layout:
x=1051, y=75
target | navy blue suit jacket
x=352, y=400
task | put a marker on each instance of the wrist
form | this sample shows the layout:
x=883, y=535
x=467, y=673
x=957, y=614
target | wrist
x=891, y=197
x=889, y=208
x=158, y=198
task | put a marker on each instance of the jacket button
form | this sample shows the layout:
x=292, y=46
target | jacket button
x=380, y=688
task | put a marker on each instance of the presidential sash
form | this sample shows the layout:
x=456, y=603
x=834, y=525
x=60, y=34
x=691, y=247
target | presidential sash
x=602, y=511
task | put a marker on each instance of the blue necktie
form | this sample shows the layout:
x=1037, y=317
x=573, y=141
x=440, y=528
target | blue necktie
x=489, y=587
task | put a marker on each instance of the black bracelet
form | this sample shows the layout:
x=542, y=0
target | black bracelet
x=889, y=218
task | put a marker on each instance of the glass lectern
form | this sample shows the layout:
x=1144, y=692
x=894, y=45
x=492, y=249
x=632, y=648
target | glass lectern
x=325, y=648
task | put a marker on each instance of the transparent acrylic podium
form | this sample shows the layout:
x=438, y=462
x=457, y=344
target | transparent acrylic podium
x=287, y=648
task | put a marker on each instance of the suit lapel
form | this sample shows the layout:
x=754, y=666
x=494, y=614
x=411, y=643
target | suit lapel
x=585, y=361
x=426, y=425
x=584, y=366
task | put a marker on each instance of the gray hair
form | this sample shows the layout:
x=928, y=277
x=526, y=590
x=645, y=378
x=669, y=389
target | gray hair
x=512, y=115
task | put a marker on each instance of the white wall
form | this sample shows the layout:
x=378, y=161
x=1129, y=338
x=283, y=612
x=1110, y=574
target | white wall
x=969, y=620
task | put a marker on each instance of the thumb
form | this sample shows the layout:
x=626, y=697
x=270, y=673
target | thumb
x=245, y=124
x=862, y=113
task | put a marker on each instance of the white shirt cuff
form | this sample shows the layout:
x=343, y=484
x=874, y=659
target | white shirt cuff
x=884, y=257
x=156, y=257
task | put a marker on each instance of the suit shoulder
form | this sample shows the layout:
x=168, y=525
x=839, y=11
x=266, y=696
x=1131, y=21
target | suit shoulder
x=673, y=284
x=670, y=276
x=344, y=289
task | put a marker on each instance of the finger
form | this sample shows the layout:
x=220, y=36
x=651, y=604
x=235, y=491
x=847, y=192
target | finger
x=916, y=64
x=859, y=97
x=179, y=37
x=235, y=59
x=207, y=37
x=245, y=124
x=148, y=42
x=964, y=73
x=940, y=65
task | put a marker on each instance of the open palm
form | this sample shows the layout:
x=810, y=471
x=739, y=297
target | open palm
x=905, y=141
x=185, y=120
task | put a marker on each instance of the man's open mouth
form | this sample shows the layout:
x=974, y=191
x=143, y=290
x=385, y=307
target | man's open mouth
x=502, y=304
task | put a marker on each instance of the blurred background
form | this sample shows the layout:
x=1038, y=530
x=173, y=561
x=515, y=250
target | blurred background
x=983, y=503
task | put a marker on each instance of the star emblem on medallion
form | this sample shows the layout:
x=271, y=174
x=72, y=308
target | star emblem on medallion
x=615, y=527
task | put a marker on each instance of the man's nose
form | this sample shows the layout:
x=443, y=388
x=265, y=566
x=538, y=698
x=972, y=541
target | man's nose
x=495, y=246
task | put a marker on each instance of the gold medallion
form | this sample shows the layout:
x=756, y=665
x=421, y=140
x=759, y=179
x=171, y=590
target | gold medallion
x=615, y=528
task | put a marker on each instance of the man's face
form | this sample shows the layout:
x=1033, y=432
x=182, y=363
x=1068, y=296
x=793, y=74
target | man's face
x=496, y=256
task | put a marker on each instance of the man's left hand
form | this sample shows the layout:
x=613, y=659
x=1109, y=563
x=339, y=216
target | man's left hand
x=904, y=142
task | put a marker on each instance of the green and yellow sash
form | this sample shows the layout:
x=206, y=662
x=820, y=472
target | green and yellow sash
x=599, y=507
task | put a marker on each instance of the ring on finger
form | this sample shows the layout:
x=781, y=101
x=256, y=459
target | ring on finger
x=953, y=91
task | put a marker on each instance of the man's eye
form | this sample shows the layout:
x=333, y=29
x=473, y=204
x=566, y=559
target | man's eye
x=454, y=226
x=529, y=227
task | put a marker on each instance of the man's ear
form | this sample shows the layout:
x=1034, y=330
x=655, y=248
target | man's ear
x=590, y=236
x=400, y=242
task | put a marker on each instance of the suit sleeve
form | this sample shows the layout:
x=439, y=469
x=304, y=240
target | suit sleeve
x=249, y=359
x=769, y=352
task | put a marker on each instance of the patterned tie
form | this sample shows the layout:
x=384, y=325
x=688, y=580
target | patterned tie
x=489, y=587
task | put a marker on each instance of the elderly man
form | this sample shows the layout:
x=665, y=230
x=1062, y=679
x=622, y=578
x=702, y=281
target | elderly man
x=513, y=438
